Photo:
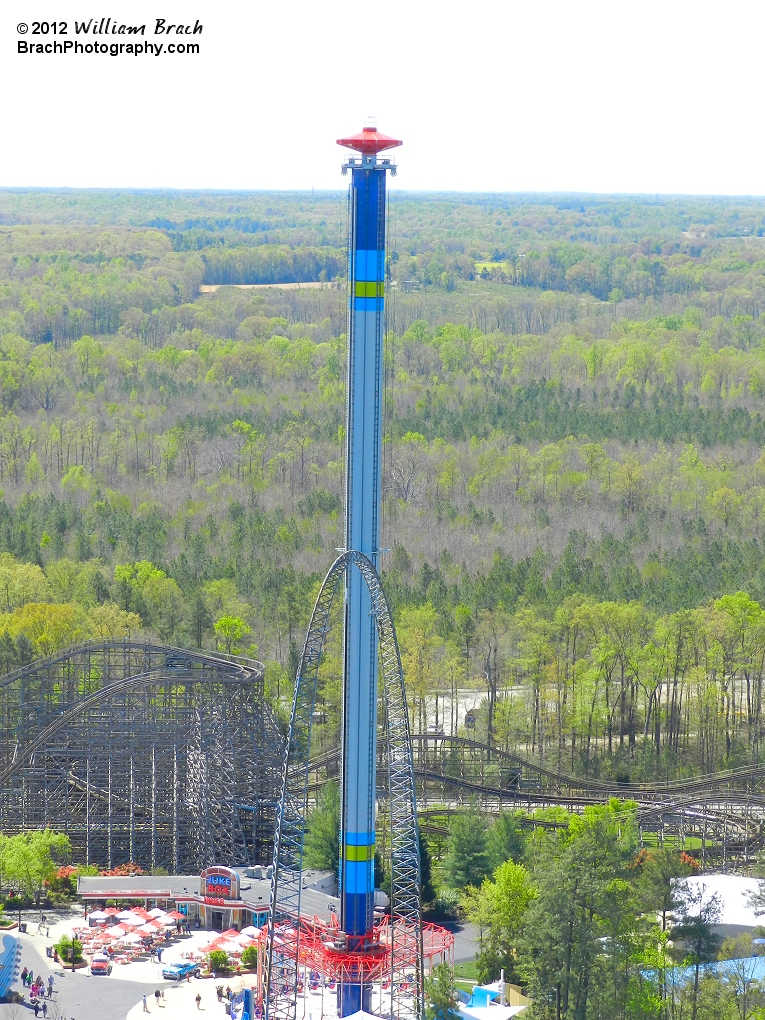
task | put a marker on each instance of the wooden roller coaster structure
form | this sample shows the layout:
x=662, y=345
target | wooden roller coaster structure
x=719, y=817
x=142, y=752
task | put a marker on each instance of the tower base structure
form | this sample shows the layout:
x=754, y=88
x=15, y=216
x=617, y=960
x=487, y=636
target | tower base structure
x=387, y=966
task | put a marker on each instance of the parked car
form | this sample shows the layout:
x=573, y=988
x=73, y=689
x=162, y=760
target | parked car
x=100, y=964
x=178, y=971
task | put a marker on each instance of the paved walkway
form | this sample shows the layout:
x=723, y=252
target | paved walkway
x=76, y=995
x=465, y=940
x=179, y=1002
x=82, y=996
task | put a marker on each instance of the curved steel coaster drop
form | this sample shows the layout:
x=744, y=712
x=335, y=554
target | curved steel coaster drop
x=392, y=953
x=360, y=952
x=141, y=752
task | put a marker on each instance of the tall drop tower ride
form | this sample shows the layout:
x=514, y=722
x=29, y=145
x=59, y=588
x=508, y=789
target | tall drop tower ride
x=366, y=259
x=374, y=961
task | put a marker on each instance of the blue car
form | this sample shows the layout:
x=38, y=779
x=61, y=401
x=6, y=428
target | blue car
x=178, y=971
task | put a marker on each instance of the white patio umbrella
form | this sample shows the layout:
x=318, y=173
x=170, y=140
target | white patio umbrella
x=131, y=939
x=251, y=930
x=148, y=929
x=158, y=912
x=125, y=914
x=116, y=930
x=98, y=915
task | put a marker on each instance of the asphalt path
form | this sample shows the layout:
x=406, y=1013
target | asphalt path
x=465, y=940
x=79, y=996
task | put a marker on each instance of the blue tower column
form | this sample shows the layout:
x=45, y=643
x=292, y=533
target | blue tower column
x=363, y=462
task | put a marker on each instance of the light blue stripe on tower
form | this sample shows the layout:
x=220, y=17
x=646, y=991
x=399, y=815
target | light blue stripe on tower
x=359, y=876
x=368, y=265
x=367, y=304
x=359, y=838
x=363, y=494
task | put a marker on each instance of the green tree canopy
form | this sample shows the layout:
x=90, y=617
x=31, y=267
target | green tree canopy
x=322, y=839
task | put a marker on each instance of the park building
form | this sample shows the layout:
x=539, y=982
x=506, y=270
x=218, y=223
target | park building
x=219, y=898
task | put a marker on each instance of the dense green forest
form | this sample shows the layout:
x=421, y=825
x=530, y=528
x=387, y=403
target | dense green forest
x=574, y=472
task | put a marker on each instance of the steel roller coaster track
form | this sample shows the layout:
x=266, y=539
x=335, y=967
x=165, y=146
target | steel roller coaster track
x=293, y=941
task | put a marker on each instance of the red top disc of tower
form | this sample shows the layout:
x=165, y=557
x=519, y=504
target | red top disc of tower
x=369, y=141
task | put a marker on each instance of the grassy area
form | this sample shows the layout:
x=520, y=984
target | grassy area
x=691, y=842
x=467, y=971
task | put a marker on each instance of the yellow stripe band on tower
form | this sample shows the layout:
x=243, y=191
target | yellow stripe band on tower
x=370, y=288
x=359, y=853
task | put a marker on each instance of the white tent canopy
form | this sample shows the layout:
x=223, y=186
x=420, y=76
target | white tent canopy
x=734, y=892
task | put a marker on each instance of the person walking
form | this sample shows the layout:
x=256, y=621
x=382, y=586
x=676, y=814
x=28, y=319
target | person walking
x=37, y=1008
x=50, y=986
x=156, y=997
x=45, y=1008
x=145, y=1005
x=199, y=1001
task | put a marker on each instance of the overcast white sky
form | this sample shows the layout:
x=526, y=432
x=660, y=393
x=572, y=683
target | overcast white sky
x=500, y=95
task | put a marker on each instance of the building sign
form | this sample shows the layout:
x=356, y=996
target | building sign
x=219, y=885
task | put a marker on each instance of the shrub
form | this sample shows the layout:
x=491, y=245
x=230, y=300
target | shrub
x=64, y=948
x=123, y=870
x=17, y=901
x=64, y=881
x=250, y=956
x=218, y=960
